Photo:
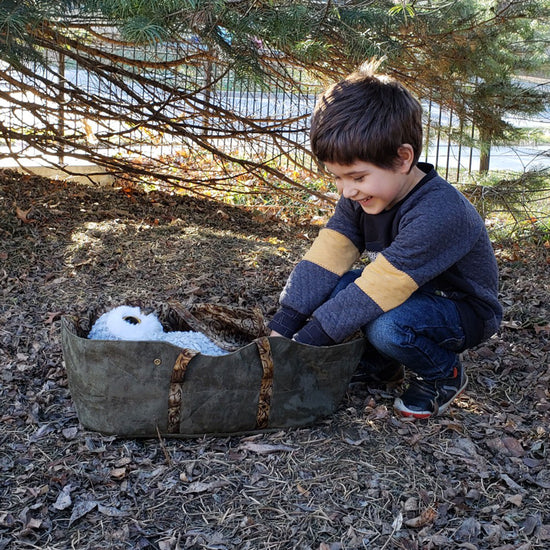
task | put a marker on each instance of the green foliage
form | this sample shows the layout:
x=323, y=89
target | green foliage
x=467, y=54
x=15, y=17
x=513, y=205
x=429, y=44
x=142, y=30
x=407, y=10
x=20, y=20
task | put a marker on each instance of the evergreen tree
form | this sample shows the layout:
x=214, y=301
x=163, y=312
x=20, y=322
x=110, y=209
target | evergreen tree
x=464, y=54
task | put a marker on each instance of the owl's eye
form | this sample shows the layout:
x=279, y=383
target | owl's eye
x=132, y=320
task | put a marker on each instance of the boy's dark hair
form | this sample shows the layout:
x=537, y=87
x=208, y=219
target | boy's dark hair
x=366, y=117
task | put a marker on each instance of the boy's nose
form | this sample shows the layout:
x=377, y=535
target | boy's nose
x=348, y=190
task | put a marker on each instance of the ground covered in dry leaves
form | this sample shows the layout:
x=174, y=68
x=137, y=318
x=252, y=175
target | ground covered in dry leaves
x=475, y=478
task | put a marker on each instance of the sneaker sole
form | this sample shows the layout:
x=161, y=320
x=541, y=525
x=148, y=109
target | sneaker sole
x=402, y=409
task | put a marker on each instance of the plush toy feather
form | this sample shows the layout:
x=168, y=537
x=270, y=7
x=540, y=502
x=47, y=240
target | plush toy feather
x=129, y=323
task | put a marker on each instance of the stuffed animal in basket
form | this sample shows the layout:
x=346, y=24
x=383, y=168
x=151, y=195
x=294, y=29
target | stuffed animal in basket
x=129, y=323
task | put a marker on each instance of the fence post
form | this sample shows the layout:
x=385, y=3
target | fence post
x=208, y=82
x=61, y=109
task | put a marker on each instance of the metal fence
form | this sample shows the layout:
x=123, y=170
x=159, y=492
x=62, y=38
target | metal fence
x=163, y=103
x=452, y=143
x=149, y=108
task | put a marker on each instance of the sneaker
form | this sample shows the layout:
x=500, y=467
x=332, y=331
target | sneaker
x=379, y=374
x=425, y=398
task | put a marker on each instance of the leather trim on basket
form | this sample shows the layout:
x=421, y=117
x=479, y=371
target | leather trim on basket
x=175, y=392
x=266, y=386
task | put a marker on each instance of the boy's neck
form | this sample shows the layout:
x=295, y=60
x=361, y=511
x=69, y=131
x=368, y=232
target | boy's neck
x=412, y=180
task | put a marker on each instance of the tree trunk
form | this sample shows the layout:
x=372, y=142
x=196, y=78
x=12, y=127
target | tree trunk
x=485, y=150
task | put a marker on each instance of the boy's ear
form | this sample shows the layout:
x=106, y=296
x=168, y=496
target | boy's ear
x=405, y=154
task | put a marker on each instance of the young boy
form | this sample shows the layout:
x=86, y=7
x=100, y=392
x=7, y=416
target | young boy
x=430, y=289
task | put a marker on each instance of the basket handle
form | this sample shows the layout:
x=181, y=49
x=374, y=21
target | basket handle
x=175, y=392
x=266, y=385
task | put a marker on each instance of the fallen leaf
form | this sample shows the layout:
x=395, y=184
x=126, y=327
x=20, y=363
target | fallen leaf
x=507, y=446
x=468, y=531
x=6, y=520
x=111, y=511
x=45, y=429
x=201, y=487
x=64, y=499
x=23, y=215
x=33, y=523
x=261, y=448
x=437, y=541
x=168, y=544
x=410, y=505
x=511, y=483
x=511, y=324
x=513, y=446
x=80, y=509
x=516, y=500
x=427, y=516
x=118, y=473
x=544, y=532
x=52, y=316
x=397, y=522
x=70, y=433
x=379, y=413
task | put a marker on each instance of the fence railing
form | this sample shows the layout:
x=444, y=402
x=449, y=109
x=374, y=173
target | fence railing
x=147, y=110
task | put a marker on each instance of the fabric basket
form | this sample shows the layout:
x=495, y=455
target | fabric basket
x=152, y=388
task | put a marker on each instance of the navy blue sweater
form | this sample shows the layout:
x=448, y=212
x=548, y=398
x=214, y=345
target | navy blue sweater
x=434, y=236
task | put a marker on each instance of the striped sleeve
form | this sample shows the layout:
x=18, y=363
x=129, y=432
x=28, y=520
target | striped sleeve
x=332, y=251
x=386, y=285
x=380, y=288
x=313, y=279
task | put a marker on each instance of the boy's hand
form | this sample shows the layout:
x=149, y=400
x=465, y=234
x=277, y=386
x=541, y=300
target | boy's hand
x=314, y=335
x=286, y=322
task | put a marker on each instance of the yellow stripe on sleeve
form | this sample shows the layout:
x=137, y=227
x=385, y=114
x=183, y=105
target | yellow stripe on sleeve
x=386, y=285
x=333, y=251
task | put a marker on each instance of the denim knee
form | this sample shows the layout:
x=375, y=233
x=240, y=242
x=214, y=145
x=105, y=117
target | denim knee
x=424, y=334
x=387, y=336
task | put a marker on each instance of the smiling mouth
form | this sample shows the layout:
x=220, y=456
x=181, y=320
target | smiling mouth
x=365, y=200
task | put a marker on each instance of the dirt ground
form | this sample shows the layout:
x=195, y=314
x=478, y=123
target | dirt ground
x=477, y=477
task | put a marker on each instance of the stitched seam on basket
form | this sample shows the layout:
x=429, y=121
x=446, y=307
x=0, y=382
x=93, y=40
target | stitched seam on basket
x=266, y=385
x=176, y=389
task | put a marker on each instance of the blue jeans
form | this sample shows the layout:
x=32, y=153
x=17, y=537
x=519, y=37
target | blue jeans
x=424, y=333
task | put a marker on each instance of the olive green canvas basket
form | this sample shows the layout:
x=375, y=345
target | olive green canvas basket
x=152, y=388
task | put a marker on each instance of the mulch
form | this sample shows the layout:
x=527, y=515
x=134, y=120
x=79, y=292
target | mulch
x=477, y=477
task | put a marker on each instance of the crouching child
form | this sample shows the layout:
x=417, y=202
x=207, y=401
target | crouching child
x=430, y=289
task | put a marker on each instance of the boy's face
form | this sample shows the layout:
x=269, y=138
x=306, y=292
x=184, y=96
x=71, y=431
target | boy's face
x=375, y=189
